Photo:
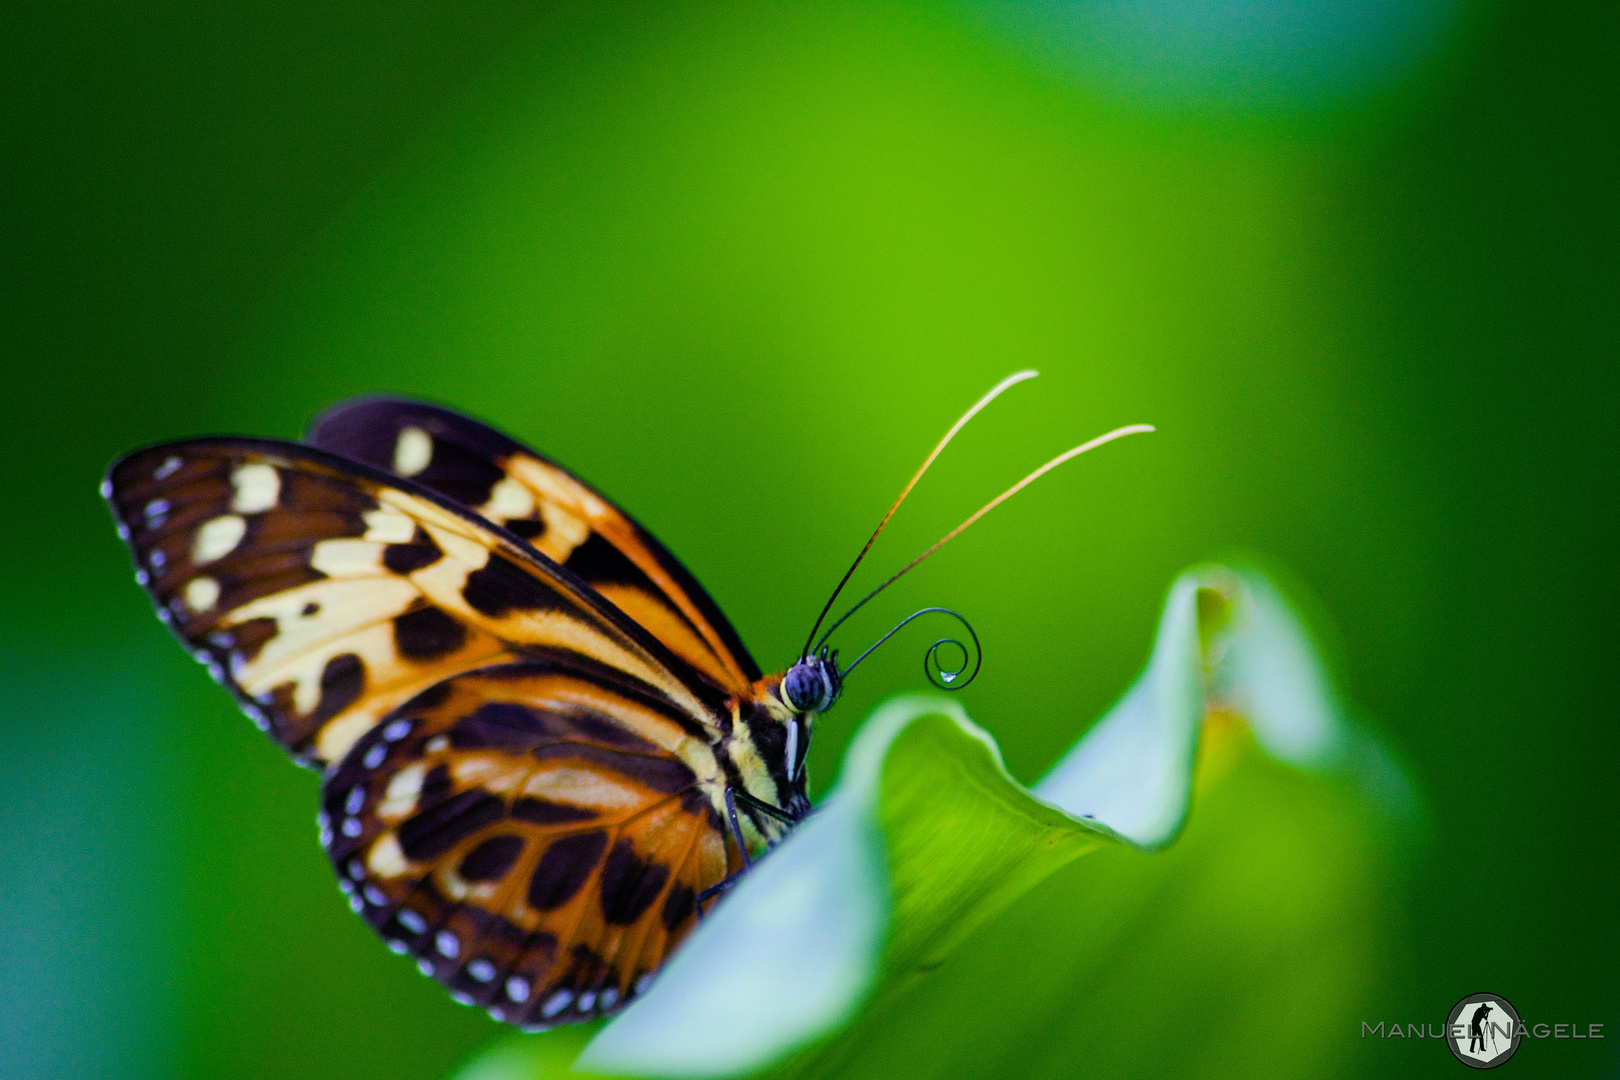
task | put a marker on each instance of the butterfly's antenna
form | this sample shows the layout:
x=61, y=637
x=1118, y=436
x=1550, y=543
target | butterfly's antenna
x=938, y=674
x=994, y=392
x=1117, y=433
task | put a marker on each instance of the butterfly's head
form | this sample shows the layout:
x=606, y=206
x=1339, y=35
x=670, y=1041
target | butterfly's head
x=813, y=684
x=791, y=702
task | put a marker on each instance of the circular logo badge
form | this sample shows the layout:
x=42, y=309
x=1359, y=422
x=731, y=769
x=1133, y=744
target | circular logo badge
x=1483, y=1030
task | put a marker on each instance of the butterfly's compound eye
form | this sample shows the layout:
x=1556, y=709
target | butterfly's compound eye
x=806, y=687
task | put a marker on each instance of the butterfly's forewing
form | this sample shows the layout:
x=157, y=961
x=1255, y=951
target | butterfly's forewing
x=325, y=594
x=530, y=834
x=555, y=511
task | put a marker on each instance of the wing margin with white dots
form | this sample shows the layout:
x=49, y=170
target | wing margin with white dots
x=535, y=853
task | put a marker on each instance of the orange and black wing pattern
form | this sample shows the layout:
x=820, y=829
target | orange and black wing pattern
x=521, y=787
x=557, y=513
x=523, y=833
x=324, y=594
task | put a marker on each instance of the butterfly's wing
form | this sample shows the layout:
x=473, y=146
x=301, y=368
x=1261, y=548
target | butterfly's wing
x=522, y=782
x=523, y=831
x=325, y=593
x=556, y=512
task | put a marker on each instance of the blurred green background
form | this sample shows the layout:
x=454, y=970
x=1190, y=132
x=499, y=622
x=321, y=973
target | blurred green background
x=740, y=266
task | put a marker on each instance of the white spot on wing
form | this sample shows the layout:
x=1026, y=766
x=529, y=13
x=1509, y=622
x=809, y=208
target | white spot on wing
x=609, y=997
x=411, y=921
x=481, y=969
x=397, y=730
x=356, y=800
x=403, y=787
x=352, y=827
x=388, y=526
x=170, y=466
x=556, y=1003
x=258, y=486
x=425, y=967
x=507, y=500
x=217, y=538
x=106, y=489
x=587, y=1001
x=387, y=859
x=347, y=557
x=202, y=593
x=375, y=897
x=374, y=756
x=517, y=988
x=413, y=451
x=157, y=508
x=447, y=944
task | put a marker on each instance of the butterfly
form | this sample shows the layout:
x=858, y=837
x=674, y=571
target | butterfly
x=545, y=752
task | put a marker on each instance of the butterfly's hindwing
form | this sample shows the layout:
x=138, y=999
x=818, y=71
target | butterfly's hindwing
x=325, y=595
x=556, y=512
x=534, y=837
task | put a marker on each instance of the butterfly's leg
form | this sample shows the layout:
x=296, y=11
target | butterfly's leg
x=732, y=795
x=724, y=884
x=736, y=828
x=766, y=808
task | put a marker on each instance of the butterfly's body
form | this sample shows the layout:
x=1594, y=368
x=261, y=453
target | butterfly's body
x=543, y=745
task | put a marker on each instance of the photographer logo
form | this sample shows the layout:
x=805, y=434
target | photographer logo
x=1483, y=1030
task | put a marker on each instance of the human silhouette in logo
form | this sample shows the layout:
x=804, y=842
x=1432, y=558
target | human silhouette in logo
x=1476, y=1028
